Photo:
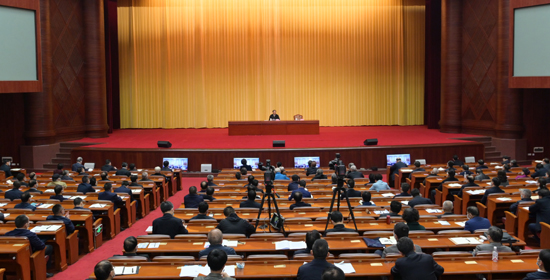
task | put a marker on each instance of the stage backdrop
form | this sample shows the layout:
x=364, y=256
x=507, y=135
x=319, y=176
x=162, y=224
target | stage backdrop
x=202, y=63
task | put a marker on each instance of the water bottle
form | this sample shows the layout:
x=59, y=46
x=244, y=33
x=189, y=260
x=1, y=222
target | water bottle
x=495, y=254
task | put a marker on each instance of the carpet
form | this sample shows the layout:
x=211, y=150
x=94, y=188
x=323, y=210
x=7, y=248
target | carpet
x=218, y=138
x=84, y=267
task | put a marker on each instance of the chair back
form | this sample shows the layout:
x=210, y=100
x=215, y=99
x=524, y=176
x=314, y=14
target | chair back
x=234, y=236
x=267, y=235
x=342, y=234
x=452, y=232
x=358, y=256
x=127, y=260
x=174, y=259
x=229, y=258
x=260, y=257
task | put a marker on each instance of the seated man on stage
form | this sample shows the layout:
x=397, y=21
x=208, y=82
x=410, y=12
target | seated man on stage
x=274, y=116
x=338, y=222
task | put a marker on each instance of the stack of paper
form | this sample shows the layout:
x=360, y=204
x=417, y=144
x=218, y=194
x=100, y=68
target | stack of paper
x=149, y=229
x=50, y=190
x=380, y=212
x=290, y=245
x=345, y=267
x=190, y=270
x=78, y=196
x=406, y=202
x=3, y=204
x=444, y=223
x=465, y=240
x=476, y=192
x=434, y=210
x=462, y=224
x=9, y=182
x=46, y=228
x=406, y=170
x=136, y=191
x=531, y=182
x=526, y=208
x=126, y=270
x=142, y=245
x=98, y=205
x=45, y=206
x=388, y=194
x=388, y=241
x=228, y=243
x=6, y=215
x=455, y=185
x=153, y=245
x=504, y=198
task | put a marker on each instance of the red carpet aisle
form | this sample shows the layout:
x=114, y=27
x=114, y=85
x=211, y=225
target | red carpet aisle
x=85, y=266
x=218, y=138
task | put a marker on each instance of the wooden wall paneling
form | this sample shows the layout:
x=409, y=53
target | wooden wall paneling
x=432, y=76
x=365, y=157
x=451, y=82
x=12, y=136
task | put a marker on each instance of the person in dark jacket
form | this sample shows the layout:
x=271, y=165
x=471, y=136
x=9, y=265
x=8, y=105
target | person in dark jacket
x=302, y=189
x=85, y=186
x=543, y=262
x=204, y=185
x=367, y=199
x=395, y=208
x=338, y=222
x=405, y=187
x=32, y=188
x=465, y=171
x=540, y=211
x=414, y=266
x=319, y=175
x=248, y=167
x=471, y=183
x=21, y=178
x=411, y=216
x=294, y=184
x=210, y=179
x=354, y=174
x=312, y=168
x=108, y=166
x=166, y=166
x=22, y=225
x=107, y=194
x=6, y=163
x=78, y=164
x=298, y=201
x=495, y=189
x=475, y=222
x=451, y=178
x=418, y=199
x=134, y=183
x=209, y=195
x=215, y=237
x=233, y=224
x=193, y=199
x=66, y=176
x=79, y=203
x=124, y=188
x=394, y=169
x=14, y=193
x=311, y=236
x=313, y=270
x=123, y=171
x=540, y=171
x=457, y=161
x=25, y=202
x=203, y=212
x=58, y=193
x=481, y=164
x=417, y=168
x=59, y=170
x=130, y=248
x=80, y=171
x=168, y=224
x=525, y=196
x=60, y=215
x=250, y=203
x=351, y=192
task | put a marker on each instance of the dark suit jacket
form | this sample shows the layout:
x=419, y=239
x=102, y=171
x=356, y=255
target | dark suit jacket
x=448, y=179
x=168, y=224
x=355, y=174
x=293, y=186
x=415, y=226
x=402, y=194
x=395, y=168
x=299, y=204
x=111, y=197
x=125, y=190
x=33, y=191
x=227, y=250
x=135, y=255
x=541, y=211
x=36, y=243
x=192, y=200
x=313, y=270
x=68, y=223
x=419, y=200
x=311, y=170
x=539, y=173
x=124, y=172
x=13, y=194
x=352, y=193
x=58, y=197
x=202, y=217
x=537, y=275
x=490, y=191
x=133, y=184
x=25, y=205
x=274, y=117
x=85, y=188
x=248, y=167
x=458, y=163
x=76, y=166
x=514, y=207
x=416, y=267
x=6, y=169
x=465, y=186
x=477, y=223
x=340, y=228
x=234, y=224
x=107, y=167
x=249, y=204
x=166, y=169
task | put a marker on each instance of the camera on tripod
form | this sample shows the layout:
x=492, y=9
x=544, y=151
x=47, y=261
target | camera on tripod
x=276, y=219
x=335, y=162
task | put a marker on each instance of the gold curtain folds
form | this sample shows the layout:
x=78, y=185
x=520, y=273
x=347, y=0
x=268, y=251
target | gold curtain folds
x=202, y=63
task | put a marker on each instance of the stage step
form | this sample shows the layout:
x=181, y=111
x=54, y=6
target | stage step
x=64, y=155
x=490, y=149
x=50, y=166
x=494, y=154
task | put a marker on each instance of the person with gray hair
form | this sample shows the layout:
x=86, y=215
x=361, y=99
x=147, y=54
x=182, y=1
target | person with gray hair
x=319, y=175
x=447, y=208
x=145, y=176
x=215, y=238
x=78, y=164
x=279, y=175
x=525, y=196
x=354, y=174
x=210, y=180
x=494, y=236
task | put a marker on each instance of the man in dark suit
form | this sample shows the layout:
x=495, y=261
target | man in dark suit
x=215, y=237
x=351, y=192
x=505, y=160
x=204, y=185
x=209, y=195
x=394, y=169
x=158, y=173
x=193, y=199
x=294, y=184
x=107, y=194
x=301, y=189
x=540, y=211
x=60, y=215
x=66, y=176
x=85, y=186
x=525, y=196
x=470, y=183
x=203, y=212
x=400, y=230
x=22, y=225
x=405, y=187
x=168, y=224
x=417, y=168
x=14, y=193
x=25, y=202
x=166, y=165
x=274, y=116
x=354, y=174
x=81, y=171
x=494, y=236
x=132, y=167
x=494, y=189
x=395, y=208
x=540, y=171
x=465, y=171
x=145, y=177
x=233, y=224
x=338, y=222
x=475, y=222
x=456, y=161
x=79, y=204
x=130, y=248
x=250, y=203
x=108, y=166
x=298, y=201
x=414, y=266
x=21, y=178
x=447, y=209
x=124, y=170
x=210, y=179
x=313, y=270
x=481, y=164
x=418, y=199
x=124, y=188
x=78, y=164
x=311, y=237
x=32, y=187
x=6, y=163
x=480, y=175
x=134, y=183
x=312, y=168
x=367, y=196
x=244, y=165
x=543, y=262
x=104, y=270
x=58, y=190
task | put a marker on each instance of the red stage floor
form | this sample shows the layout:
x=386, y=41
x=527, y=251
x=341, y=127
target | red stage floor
x=329, y=137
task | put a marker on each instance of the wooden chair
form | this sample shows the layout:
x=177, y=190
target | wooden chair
x=203, y=221
x=261, y=257
x=127, y=260
x=545, y=236
x=457, y=205
x=452, y=232
x=234, y=236
x=451, y=255
x=152, y=237
x=173, y=260
x=297, y=234
x=426, y=206
x=342, y=234
x=71, y=243
x=510, y=222
x=490, y=254
x=98, y=232
x=229, y=258
x=531, y=252
x=482, y=210
x=37, y=262
x=191, y=237
x=298, y=117
x=420, y=233
x=358, y=256
x=267, y=235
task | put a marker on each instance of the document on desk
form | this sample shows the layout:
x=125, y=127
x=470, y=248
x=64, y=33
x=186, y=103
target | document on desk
x=388, y=194
x=462, y=224
x=126, y=270
x=45, y=206
x=153, y=245
x=444, y=223
x=345, y=267
x=380, y=212
x=3, y=204
x=526, y=208
x=455, y=185
x=388, y=241
x=229, y=269
x=434, y=210
x=98, y=205
x=78, y=196
x=298, y=245
x=282, y=245
x=465, y=240
x=49, y=190
x=230, y=243
x=143, y=245
x=190, y=270
x=475, y=192
x=504, y=198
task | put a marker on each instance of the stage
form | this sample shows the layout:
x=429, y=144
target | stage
x=217, y=147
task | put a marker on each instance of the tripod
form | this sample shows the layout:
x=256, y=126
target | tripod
x=277, y=222
x=339, y=191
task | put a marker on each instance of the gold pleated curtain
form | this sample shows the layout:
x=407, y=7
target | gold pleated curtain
x=202, y=63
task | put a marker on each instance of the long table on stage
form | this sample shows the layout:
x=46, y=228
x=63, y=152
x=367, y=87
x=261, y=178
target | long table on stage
x=273, y=127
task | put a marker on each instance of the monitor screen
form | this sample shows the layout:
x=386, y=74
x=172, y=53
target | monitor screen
x=253, y=162
x=176, y=163
x=301, y=162
x=406, y=158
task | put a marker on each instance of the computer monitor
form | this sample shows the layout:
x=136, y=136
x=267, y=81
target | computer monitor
x=301, y=162
x=253, y=162
x=176, y=163
x=406, y=158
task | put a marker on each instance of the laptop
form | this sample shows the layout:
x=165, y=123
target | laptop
x=422, y=161
x=89, y=166
x=206, y=168
x=470, y=159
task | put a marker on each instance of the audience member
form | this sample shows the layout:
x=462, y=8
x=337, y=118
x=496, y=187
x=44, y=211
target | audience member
x=145, y=177
x=543, y=262
x=215, y=238
x=525, y=174
x=471, y=183
x=14, y=193
x=480, y=175
x=108, y=166
x=319, y=175
x=209, y=195
x=447, y=208
x=104, y=270
x=540, y=171
x=541, y=211
x=216, y=261
x=294, y=184
x=311, y=236
x=394, y=169
x=132, y=167
x=245, y=165
x=354, y=174
x=59, y=170
x=58, y=190
x=494, y=236
x=481, y=164
x=475, y=222
x=168, y=224
x=204, y=185
x=302, y=189
x=505, y=160
x=56, y=181
x=82, y=171
x=203, y=212
x=107, y=194
x=312, y=168
x=313, y=270
x=379, y=185
x=32, y=187
x=413, y=265
x=279, y=174
x=210, y=179
x=78, y=164
x=338, y=221
x=405, y=187
x=400, y=230
x=78, y=203
x=193, y=199
x=457, y=161
x=21, y=178
x=123, y=171
x=351, y=192
x=104, y=177
x=395, y=208
x=417, y=168
x=66, y=176
x=465, y=171
x=411, y=216
x=134, y=183
x=494, y=189
x=25, y=197
x=525, y=196
x=233, y=224
x=367, y=199
x=6, y=167
x=165, y=166
x=85, y=186
x=418, y=199
x=501, y=175
x=130, y=248
x=60, y=215
x=250, y=203
x=333, y=273
x=298, y=201
x=243, y=171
